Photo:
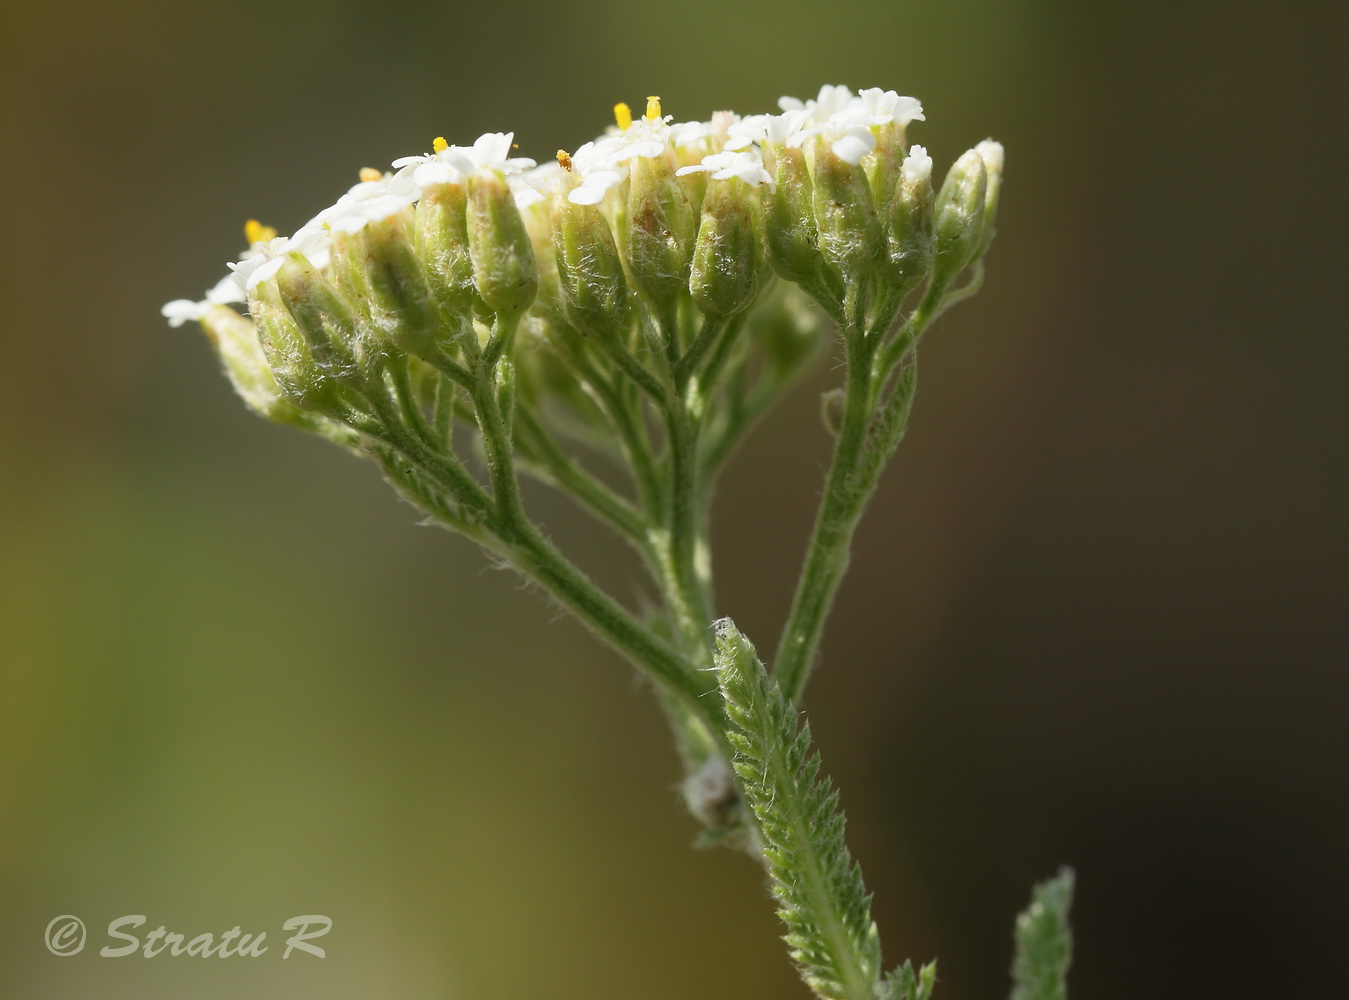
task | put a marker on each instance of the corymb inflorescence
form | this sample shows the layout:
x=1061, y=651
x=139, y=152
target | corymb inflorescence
x=646, y=295
x=633, y=239
x=636, y=303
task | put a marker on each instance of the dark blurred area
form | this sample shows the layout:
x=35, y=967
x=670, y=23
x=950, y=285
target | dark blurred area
x=1097, y=613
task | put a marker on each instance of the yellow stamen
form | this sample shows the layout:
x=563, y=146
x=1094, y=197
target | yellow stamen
x=653, y=109
x=623, y=115
x=256, y=232
x=564, y=159
x=439, y=144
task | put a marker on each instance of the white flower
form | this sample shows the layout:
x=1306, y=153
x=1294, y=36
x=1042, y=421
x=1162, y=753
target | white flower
x=596, y=164
x=691, y=133
x=180, y=311
x=849, y=139
x=455, y=164
x=369, y=201
x=846, y=120
x=917, y=166
x=881, y=107
x=745, y=165
x=312, y=241
x=645, y=137
x=224, y=292
x=773, y=130
x=491, y=151
x=831, y=100
x=534, y=186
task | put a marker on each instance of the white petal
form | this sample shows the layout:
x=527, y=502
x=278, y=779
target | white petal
x=264, y=272
x=224, y=291
x=180, y=311
x=436, y=172
x=850, y=148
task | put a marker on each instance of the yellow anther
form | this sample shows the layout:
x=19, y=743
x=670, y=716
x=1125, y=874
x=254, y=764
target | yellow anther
x=369, y=174
x=622, y=115
x=256, y=232
x=439, y=144
x=653, y=109
x=564, y=159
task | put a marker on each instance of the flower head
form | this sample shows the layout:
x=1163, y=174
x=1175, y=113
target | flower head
x=746, y=165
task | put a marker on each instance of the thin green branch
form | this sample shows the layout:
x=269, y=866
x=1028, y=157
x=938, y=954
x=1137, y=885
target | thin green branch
x=828, y=551
x=543, y=458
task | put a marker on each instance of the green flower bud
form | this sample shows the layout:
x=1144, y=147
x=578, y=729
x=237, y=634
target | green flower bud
x=400, y=303
x=326, y=318
x=235, y=340
x=503, y=257
x=538, y=221
x=882, y=166
x=662, y=228
x=442, y=245
x=791, y=241
x=960, y=216
x=286, y=349
x=850, y=232
x=595, y=294
x=910, y=235
x=992, y=154
x=729, y=255
x=790, y=236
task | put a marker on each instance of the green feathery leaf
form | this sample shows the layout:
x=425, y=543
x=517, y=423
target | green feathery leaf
x=1044, y=942
x=819, y=889
x=905, y=984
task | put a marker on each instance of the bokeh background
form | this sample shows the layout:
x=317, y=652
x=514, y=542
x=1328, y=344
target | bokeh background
x=1096, y=616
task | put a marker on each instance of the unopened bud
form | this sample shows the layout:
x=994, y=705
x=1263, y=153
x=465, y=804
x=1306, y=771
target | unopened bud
x=286, y=350
x=850, y=232
x=503, y=258
x=883, y=166
x=991, y=153
x=911, y=220
x=790, y=236
x=235, y=340
x=595, y=294
x=442, y=244
x=325, y=316
x=662, y=227
x=401, y=306
x=960, y=216
x=728, y=258
x=538, y=219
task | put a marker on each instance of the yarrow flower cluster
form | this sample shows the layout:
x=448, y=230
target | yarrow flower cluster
x=826, y=194
x=727, y=147
x=645, y=297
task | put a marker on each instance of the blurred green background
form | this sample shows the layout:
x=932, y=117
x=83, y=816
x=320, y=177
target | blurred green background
x=1097, y=612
